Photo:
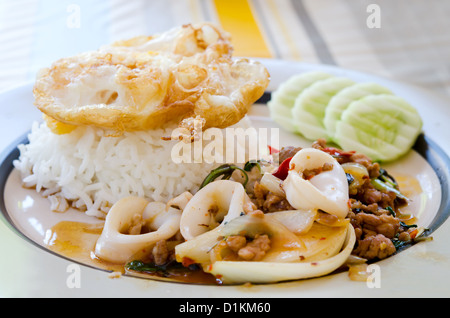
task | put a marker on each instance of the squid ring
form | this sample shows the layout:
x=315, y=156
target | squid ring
x=272, y=272
x=116, y=246
x=327, y=190
x=215, y=204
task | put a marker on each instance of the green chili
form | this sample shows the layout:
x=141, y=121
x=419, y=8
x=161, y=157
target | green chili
x=380, y=185
x=225, y=171
x=391, y=211
x=252, y=163
x=406, y=225
x=399, y=244
x=387, y=178
x=140, y=266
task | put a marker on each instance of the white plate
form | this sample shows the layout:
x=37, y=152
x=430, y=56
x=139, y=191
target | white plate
x=28, y=270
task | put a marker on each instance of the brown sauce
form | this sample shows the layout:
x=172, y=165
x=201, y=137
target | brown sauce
x=76, y=240
x=410, y=187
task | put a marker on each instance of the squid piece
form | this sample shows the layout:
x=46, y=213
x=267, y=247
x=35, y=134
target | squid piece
x=231, y=272
x=296, y=221
x=327, y=190
x=215, y=204
x=121, y=238
x=200, y=248
x=180, y=201
x=318, y=252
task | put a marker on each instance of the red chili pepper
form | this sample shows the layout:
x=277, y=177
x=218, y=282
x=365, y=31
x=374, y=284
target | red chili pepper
x=283, y=169
x=186, y=261
x=272, y=150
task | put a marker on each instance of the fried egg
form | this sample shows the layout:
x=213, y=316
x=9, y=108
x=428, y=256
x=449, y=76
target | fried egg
x=150, y=81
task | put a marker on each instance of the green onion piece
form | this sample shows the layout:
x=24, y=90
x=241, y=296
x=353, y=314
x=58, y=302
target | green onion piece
x=225, y=171
x=407, y=226
x=388, y=181
x=391, y=211
x=250, y=164
x=380, y=185
x=140, y=266
x=386, y=177
x=399, y=244
x=419, y=238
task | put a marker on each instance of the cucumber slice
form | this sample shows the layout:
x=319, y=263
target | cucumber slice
x=383, y=127
x=283, y=99
x=342, y=100
x=285, y=122
x=310, y=105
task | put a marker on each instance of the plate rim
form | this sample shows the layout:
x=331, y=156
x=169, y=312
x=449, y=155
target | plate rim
x=314, y=288
x=424, y=146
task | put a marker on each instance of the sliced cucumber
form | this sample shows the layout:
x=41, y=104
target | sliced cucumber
x=384, y=127
x=283, y=99
x=342, y=100
x=310, y=105
x=285, y=122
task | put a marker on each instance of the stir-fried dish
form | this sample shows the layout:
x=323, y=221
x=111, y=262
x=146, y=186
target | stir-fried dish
x=307, y=213
x=105, y=148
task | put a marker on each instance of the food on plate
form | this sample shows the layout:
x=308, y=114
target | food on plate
x=90, y=170
x=146, y=82
x=340, y=102
x=323, y=211
x=366, y=117
x=283, y=99
x=109, y=116
x=383, y=127
x=328, y=190
x=251, y=245
x=310, y=105
x=119, y=241
x=112, y=121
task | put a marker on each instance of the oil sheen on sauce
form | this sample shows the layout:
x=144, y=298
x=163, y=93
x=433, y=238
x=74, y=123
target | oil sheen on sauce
x=410, y=187
x=76, y=240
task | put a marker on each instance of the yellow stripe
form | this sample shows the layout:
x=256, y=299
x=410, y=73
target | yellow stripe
x=236, y=17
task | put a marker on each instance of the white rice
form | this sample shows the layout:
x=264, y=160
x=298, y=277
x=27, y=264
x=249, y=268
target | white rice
x=91, y=171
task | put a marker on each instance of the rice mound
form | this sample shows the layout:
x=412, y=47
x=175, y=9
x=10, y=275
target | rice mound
x=90, y=171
